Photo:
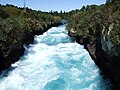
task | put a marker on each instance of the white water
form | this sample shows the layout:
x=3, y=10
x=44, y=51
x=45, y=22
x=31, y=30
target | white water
x=53, y=62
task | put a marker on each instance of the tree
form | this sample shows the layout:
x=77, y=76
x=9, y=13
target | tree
x=83, y=8
x=61, y=12
x=108, y=1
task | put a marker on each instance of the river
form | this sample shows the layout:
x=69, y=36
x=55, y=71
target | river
x=53, y=62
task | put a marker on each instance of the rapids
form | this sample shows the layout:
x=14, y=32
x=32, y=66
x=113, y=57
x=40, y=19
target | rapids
x=53, y=62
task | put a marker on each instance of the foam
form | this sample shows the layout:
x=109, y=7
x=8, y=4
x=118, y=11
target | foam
x=53, y=62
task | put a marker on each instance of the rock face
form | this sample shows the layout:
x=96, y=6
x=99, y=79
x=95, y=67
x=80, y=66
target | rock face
x=98, y=29
x=105, y=54
x=108, y=57
x=14, y=53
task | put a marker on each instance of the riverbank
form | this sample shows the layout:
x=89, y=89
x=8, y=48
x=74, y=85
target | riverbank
x=97, y=28
x=15, y=52
x=71, y=65
x=18, y=28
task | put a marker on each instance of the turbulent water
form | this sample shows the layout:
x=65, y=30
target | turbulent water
x=53, y=62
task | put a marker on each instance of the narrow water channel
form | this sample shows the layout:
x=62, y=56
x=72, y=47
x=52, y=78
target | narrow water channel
x=54, y=62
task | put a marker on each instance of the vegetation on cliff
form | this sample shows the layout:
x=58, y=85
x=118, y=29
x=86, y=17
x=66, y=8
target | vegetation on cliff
x=18, y=27
x=98, y=28
x=89, y=19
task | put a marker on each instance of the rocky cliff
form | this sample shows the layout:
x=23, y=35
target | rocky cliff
x=105, y=54
x=99, y=31
x=18, y=28
x=13, y=53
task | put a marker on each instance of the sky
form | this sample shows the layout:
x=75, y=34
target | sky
x=54, y=5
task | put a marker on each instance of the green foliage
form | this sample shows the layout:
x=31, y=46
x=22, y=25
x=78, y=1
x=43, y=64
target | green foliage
x=90, y=21
x=14, y=24
x=11, y=31
x=3, y=14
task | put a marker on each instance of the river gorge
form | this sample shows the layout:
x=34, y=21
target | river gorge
x=54, y=62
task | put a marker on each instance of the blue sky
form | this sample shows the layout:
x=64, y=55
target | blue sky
x=55, y=5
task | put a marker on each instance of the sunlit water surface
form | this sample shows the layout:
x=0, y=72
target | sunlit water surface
x=53, y=62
